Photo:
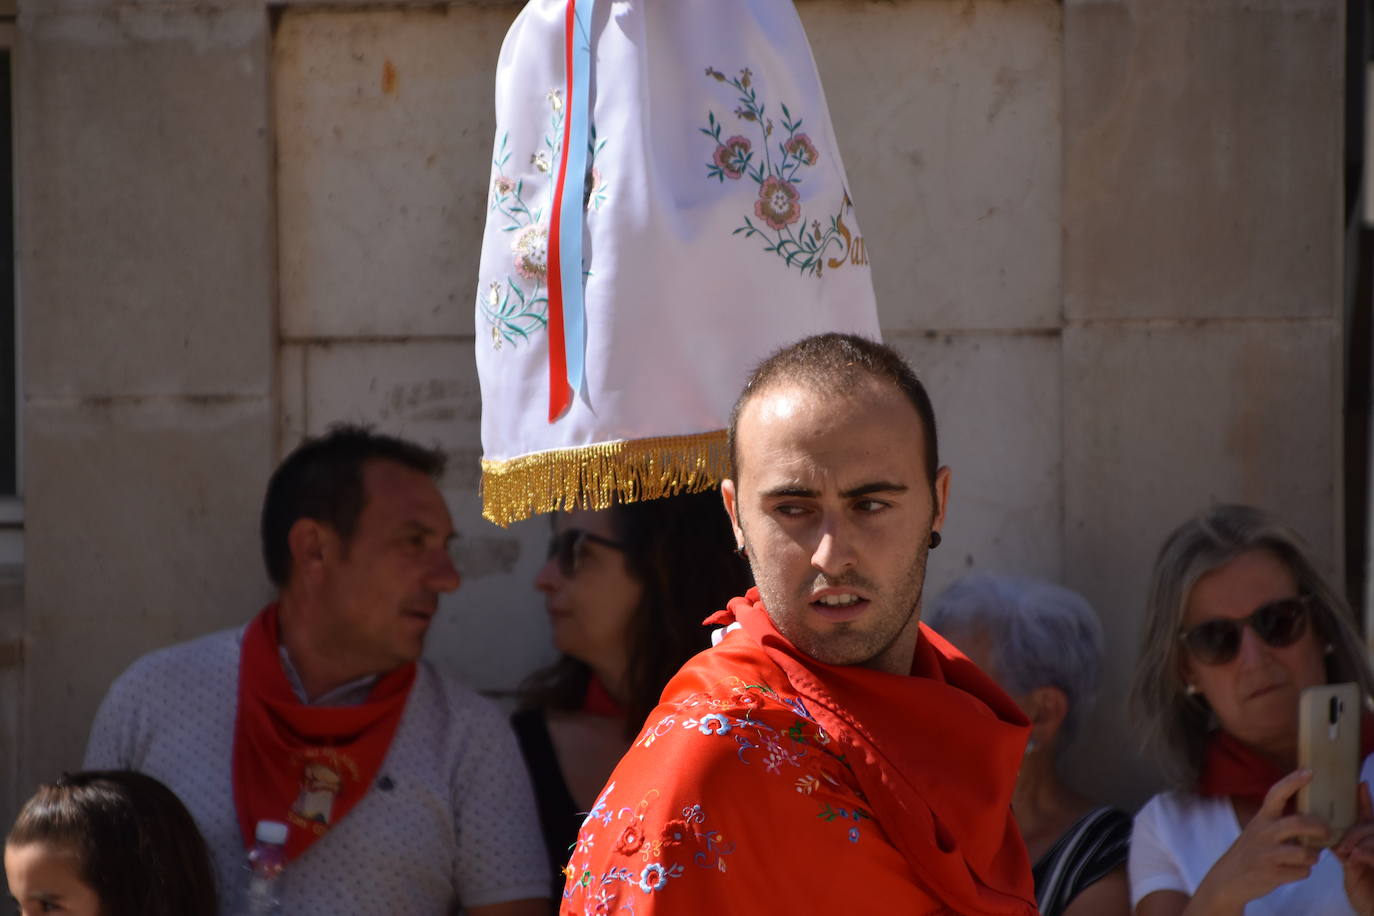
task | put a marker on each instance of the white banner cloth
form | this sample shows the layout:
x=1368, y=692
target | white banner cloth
x=717, y=228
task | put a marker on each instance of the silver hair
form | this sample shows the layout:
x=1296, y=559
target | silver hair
x=1174, y=726
x=1041, y=635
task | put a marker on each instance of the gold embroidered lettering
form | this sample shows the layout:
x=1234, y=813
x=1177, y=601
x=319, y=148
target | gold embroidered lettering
x=858, y=252
x=854, y=250
x=844, y=232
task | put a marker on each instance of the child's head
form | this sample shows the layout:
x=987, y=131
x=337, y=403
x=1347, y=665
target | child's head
x=114, y=843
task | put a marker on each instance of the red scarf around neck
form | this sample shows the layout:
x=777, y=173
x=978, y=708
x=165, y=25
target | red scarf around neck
x=306, y=766
x=936, y=755
x=1232, y=769
x=598, y=700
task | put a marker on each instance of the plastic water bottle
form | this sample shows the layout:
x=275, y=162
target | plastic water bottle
x=266, y=863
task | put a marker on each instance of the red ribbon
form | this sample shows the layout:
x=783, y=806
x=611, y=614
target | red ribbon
x=560, y=392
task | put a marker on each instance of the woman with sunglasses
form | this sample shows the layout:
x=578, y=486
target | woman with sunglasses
x=626, y=590
x=1238, y=623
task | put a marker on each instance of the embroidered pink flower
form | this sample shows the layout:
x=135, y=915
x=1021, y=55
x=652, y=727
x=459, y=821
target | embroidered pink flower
x=743, y=697
x=630, y=840
x=502, y=185
x=675, y=832
x=732, y=156
x=531, y=250
x=802, y=149
x=777, y=204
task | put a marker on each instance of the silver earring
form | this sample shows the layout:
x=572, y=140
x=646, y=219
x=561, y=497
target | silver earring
x=740, y=550
x=1030, y=746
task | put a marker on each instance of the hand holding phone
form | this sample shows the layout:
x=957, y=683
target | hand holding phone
x=1329, y=746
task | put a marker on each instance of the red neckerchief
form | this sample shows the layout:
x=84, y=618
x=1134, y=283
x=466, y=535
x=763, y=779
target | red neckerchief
x=1232, y=769
x=599, y=702
x=304, y=765
x=936, y=755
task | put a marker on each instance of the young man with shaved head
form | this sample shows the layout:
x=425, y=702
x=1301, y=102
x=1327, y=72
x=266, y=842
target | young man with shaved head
x=830, y=753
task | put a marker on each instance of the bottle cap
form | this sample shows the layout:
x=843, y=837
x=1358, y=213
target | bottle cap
x=273, y=832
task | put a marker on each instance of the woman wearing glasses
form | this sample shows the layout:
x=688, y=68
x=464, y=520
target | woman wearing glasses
x=626, y=590
x=1238, y=623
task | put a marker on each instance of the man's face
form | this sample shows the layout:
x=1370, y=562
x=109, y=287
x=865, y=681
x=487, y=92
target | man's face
x=382, y=588
x=835, y=509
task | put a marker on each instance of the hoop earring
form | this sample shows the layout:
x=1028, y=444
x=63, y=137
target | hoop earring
x=935, y=539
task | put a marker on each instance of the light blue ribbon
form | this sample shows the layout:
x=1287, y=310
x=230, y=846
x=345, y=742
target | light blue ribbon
x=573, y=214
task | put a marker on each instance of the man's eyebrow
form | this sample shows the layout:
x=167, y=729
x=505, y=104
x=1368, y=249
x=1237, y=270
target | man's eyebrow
x=412, y=525
x=795, y=490
x=877, y=486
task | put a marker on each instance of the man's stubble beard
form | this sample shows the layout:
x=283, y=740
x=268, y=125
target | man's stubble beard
x=873, y=644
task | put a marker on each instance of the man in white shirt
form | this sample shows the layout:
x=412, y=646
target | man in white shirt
x=404, y=791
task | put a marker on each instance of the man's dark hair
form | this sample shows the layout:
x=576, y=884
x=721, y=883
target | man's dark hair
x=135, y=843
x=837, y=364
x=323, y=480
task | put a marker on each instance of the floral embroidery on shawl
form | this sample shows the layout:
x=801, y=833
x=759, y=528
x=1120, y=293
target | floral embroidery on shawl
x=652, y=848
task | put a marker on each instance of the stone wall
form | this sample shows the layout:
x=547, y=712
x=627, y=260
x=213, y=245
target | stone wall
x=147, y=288
x=1107, y=234
x=1201, y=353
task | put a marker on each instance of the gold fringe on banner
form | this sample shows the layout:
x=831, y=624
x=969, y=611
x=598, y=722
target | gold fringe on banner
x=595, y=476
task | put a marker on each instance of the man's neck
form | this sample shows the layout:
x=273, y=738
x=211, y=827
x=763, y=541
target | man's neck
x=899, y=655
x=318, y=669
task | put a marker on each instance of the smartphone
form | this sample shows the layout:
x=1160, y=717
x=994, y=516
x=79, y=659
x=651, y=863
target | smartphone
x=1329, y=745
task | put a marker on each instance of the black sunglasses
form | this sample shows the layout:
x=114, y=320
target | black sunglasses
x=1279, y=623
x=567, y=547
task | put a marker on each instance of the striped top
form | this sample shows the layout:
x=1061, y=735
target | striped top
x=1085, y=853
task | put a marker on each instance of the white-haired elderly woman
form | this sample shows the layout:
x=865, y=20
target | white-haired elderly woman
x=1238, y=623
x=1043, y=644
